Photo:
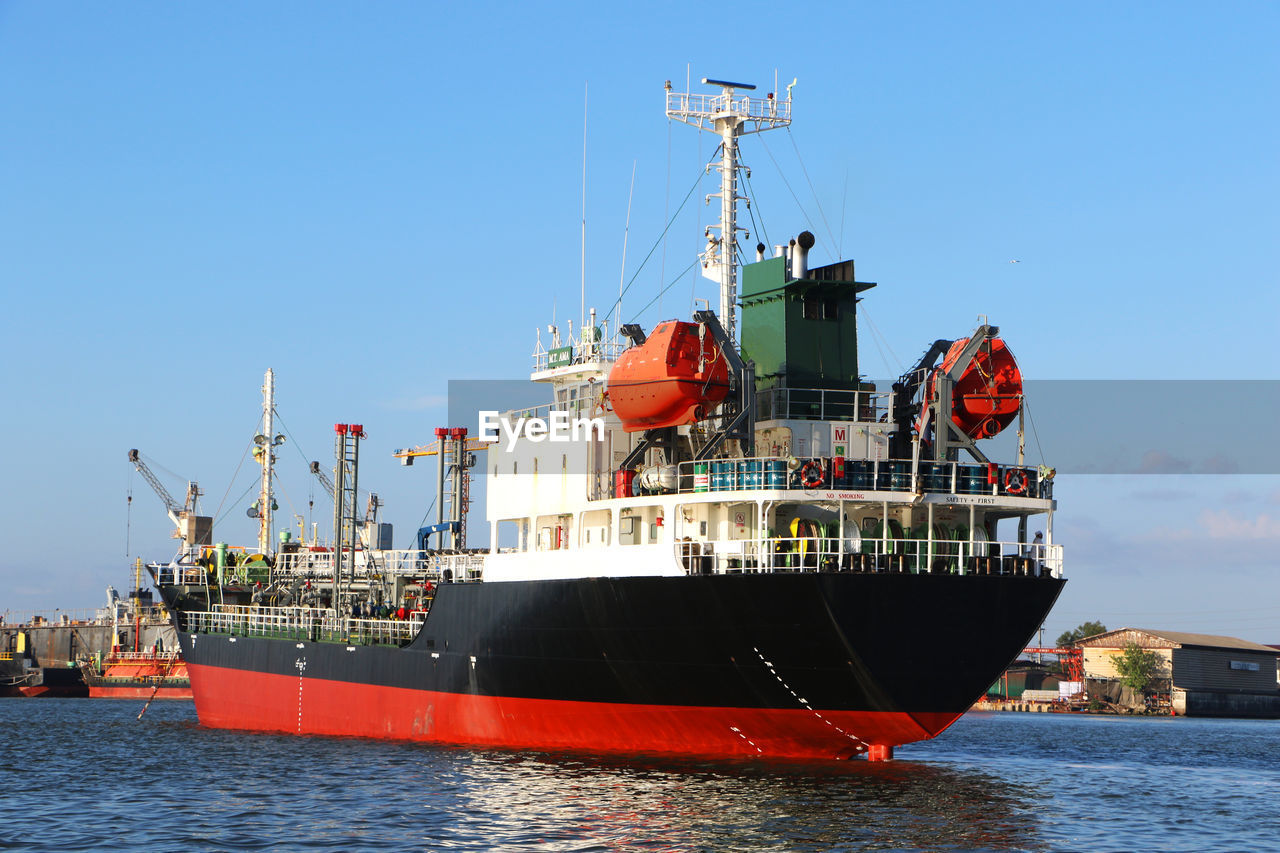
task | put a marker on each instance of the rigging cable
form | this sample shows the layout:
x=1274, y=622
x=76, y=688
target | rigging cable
x=128, y=516
x=423, y=523
x=218, y=519
x=693, y=284
x=292, y=440
x=758, y=226
x=787, y=184
x=217, y=512
x=812, y=189
x=876, y=338
x=666, y=209
x=673, y=283
x=1034, y=432
x=844, y=204
x=288, y=500
x=155, y=464
x=656, y=243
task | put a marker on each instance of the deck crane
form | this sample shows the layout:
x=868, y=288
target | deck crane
x=193, y=529
x=371, y=533
x=371, y=508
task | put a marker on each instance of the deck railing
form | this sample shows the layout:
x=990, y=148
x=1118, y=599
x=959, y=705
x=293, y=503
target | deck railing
x=599, y=346
x=828, y=474
x=54, y=618
x=144, y=657
x=463, y=567
x=301, y=623
x=914, y=556
x=181, y=574
x=821, y=404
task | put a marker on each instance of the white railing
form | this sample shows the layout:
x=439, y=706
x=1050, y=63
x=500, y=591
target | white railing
x=695, y=104
x=313, y=564
x=455, y=567
x=820, y=404
x=573, y=350
x=188, y=574
x=365, y=561
x=915, y=556
x=861, y=475
x=301, y=623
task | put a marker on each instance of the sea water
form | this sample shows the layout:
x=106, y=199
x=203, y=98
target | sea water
x=84, y=774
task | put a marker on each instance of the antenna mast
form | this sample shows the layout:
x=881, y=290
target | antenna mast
x=730, y=117
x=265, y=444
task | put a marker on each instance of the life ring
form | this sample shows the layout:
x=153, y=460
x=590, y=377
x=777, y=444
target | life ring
x=811, y=474
x=1015, y=481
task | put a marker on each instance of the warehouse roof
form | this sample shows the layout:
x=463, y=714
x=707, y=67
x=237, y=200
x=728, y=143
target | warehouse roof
x=1174, y=639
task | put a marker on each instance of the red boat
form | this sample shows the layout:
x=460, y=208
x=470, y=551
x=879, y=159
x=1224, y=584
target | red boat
x=675, y=377
x=139, y=675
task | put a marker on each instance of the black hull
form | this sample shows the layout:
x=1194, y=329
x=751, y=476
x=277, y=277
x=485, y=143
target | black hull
x=924, y=646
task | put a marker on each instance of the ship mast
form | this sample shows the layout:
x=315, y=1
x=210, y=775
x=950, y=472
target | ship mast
x=265, y=443
x=730, y=117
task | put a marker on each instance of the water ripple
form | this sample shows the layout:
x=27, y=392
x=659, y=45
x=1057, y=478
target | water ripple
x=85, y=775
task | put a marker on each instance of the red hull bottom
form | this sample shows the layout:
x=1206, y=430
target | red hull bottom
x=139, y=692
x=240, y=699
x=40, y=691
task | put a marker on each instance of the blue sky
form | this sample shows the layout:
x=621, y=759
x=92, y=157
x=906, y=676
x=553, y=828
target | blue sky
x=373, y=199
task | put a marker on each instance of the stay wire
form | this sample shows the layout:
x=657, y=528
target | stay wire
x=844, y=204
x=425, y=516
x=812, y=189
x=877, y=338
x=218, y=519
x=655, y=246
x=289, y=500
x=666, y=209
x=154, y=464
x=128, y=516
x=673, y=283
x=284, y=426
x=751, y=195
x=787, y=184
x=217, y=512
x=1034, y=432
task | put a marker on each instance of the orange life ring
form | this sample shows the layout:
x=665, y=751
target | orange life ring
x=811, y=474
x=1015, y=481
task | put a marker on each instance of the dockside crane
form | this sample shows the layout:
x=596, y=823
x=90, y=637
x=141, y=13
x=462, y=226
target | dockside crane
x=192, y=528
x=457, y=455
x=371, y=507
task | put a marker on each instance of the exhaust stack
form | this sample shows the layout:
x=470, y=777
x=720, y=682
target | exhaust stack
x=800, y=254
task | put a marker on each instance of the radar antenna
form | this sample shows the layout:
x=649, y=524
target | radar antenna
x=729, y=116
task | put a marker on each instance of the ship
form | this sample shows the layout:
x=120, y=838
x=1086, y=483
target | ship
x=750, y=550
x=143, y=660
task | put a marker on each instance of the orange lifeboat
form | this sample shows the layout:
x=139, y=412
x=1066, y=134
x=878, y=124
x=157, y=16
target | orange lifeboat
x=677, y=376
x=985, y=399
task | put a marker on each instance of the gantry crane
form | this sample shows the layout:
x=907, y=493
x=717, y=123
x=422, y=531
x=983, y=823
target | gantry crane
x=193, y=529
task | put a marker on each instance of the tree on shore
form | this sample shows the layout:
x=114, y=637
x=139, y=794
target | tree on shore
x=1084, y=629
x=1138, y=667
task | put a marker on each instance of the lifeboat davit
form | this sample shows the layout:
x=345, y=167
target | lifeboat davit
x=986, y=398
x=677, y=376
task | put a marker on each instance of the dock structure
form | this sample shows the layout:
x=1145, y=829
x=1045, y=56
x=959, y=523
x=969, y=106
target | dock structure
x=42, y=653
x=1204, y=675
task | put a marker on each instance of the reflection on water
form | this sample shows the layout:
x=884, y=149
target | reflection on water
x=85, y=775
x=684, y=805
